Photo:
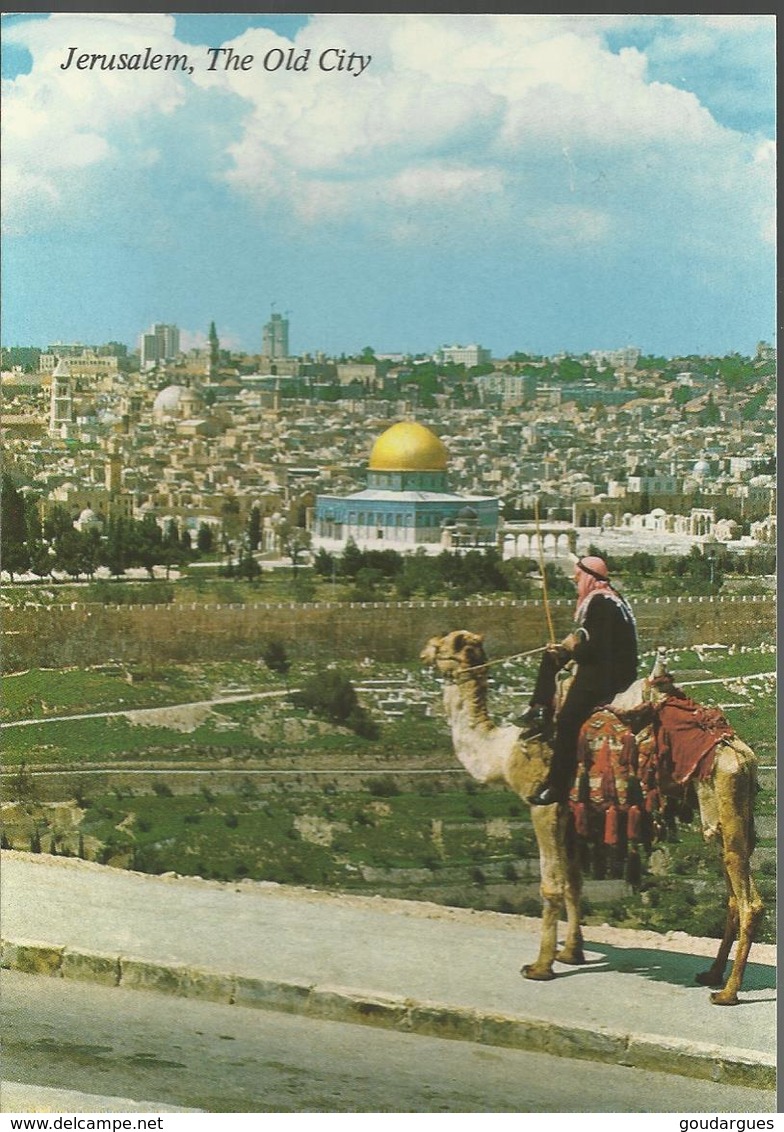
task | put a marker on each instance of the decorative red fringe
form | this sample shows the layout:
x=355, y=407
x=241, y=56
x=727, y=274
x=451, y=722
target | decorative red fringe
x=580, y=811
x=611, y=826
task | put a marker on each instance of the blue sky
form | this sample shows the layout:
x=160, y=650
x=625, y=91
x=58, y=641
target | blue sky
x=537, y=183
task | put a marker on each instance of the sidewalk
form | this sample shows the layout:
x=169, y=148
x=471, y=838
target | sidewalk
x=413, y=966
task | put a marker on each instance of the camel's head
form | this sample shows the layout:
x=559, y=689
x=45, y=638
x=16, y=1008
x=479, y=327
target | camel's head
x=455, y=652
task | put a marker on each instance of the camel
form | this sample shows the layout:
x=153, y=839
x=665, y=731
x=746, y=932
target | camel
x=492, y=753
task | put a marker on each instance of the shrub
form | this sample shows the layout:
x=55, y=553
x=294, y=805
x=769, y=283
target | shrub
x=383, y=787
x=162, y=789
x=331, y=695
x=274, y=656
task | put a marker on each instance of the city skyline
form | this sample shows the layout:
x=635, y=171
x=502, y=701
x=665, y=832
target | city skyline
x=533, y=183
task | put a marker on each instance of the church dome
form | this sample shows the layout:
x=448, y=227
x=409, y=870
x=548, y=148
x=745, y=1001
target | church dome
x=175, y=400
x=168, y=400
x=408, y=447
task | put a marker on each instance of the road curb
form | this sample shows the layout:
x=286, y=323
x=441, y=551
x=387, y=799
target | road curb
x=723, y=1065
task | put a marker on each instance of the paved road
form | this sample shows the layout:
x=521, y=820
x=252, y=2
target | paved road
x=406, y=966
x=188, y=1054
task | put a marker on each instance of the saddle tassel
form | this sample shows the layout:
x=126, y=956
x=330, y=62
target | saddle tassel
x=611, y=826
x=580, y=811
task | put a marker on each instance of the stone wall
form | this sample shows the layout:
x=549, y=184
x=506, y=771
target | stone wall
x=84, y=634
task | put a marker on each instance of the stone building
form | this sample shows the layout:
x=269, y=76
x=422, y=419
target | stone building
x=407, y=503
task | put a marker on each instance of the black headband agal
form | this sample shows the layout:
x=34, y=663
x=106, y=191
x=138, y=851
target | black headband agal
x=587, y=570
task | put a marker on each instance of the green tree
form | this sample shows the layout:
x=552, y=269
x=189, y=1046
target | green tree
x=247, y=566
x=117, y=549
x=711, y=414
x=324, y=563
x=331, y=695
x=41, y=560
x=204, y=539
x=275, y=657
x=254, y=527
x=148, y=544
x=14, y=554
x=292, y=540
x=231, y=524
x=570, y=370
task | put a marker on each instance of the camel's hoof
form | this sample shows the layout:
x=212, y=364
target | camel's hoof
x=709, y=979
x=540, y=974
x=720, y=998
x=573, y=958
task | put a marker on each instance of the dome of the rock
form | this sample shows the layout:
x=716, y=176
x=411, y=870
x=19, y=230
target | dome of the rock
x=408, y=447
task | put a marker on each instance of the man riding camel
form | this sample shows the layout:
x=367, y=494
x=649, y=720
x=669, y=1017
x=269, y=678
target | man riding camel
x=604, y=646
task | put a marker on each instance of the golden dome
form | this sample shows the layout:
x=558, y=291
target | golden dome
x=408, y=447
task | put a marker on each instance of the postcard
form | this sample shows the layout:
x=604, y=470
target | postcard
x=388, y=565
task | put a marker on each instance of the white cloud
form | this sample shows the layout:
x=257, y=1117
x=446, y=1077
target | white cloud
x=55, y=122
x=505, y=127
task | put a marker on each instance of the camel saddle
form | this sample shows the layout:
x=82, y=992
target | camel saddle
x=625, y=776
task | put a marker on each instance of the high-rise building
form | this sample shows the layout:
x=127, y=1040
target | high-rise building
x=61, y=400
x=474, y=355
x=625, y=358
x=275, y=343
x=159, y=344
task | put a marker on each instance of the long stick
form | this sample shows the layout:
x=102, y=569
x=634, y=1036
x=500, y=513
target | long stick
x=550, y=629
x=487, y=663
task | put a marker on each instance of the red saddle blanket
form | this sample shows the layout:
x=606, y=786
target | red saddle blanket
x=623, y=775
x=687, y=734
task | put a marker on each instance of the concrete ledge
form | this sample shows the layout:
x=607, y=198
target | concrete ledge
x=31, y=957
x=176, y=979
x=265, y=994
x=710, y=1063
x=341, y=1004
x=366, y=1007
x=93, y=966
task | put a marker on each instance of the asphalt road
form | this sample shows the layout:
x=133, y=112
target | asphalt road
x=152, y=1048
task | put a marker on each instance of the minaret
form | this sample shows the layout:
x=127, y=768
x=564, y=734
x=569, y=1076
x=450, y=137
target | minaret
x=212, y=364
x=61, y=402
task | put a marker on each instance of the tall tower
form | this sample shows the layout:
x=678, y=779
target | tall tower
x=275, y=343
x=61, y=399
x=212, y=338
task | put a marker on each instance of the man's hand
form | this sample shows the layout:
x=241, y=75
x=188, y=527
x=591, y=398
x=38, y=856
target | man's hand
x=564, y=650
x=570, y=643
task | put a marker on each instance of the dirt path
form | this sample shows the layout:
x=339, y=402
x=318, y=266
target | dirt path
x=166, y=716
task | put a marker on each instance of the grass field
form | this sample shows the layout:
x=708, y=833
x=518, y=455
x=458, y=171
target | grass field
x=439, y=836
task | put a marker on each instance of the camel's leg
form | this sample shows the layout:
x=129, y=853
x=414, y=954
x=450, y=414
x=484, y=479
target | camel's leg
x=749, y=910
x=714, y=976
x=572, y=951
x=733, y=789
x=547, y=828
